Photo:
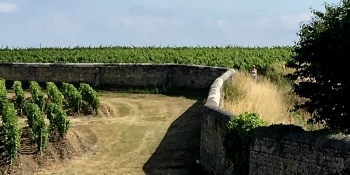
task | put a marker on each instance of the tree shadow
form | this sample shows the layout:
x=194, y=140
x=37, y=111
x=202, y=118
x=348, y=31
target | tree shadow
x=179, y=149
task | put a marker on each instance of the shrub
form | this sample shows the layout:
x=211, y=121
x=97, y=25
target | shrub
x=237, y=140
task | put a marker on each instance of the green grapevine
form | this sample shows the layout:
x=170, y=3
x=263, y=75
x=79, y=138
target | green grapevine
x=3, y=92
x=35, y=120
x=73, y=96
x=230, y=56
x=90, y=96
x=53, y=93
x=58, y=119
x=20, y=98
x=11, y=130
x=37, y=94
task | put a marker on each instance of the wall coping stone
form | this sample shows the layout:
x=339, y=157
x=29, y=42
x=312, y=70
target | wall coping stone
x=215, y=89
x=212, y=105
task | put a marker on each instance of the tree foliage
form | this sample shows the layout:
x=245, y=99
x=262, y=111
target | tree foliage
x=320, y=61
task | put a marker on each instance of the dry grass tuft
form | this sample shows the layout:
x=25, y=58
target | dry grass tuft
x=272, y=103
x=261, y=97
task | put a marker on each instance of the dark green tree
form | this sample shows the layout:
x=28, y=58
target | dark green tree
x=321, y=61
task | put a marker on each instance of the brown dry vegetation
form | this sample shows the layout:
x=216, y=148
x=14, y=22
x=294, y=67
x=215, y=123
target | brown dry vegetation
x=271, y=102
x=261, y=97
x=134, y=134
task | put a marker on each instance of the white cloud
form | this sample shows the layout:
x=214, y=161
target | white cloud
x=271, y=29
x=220, y=24
x=6, y=7
x=274, y=23
x=62, y=24
x=145, y=25
x=293, y=21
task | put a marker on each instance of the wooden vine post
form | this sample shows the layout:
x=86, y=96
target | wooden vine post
x=41, y=139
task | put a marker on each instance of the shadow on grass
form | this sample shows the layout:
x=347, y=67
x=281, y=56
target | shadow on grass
x=179, y=149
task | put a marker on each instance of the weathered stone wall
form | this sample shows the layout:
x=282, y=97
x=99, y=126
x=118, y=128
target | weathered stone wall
x=298, y=153
x=212, y=154
x=156, y=75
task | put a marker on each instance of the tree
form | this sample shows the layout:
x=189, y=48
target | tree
x=322, y=67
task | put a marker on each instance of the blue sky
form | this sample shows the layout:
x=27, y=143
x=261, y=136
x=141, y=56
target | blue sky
x=69, y=23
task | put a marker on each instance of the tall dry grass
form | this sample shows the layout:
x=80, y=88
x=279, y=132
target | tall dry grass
x=261, y=97
x=271, y=102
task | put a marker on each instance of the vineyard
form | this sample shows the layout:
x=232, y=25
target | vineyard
x=47, y=111
x=234, y=57
x=37, y=108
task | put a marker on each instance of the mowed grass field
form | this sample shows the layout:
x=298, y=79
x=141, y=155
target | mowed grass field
x=137, y=134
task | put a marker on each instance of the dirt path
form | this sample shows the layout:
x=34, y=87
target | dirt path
x=140, y=134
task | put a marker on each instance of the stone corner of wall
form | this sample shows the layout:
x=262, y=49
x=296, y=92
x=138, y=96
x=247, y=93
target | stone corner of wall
x=213, y=100
x=211, y=151
x=218, y=113
x=339, y=142
x=215, y=89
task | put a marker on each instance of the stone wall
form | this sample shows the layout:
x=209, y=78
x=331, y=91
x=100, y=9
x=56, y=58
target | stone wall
x=298, y=152
x=155, y=75
x=212, y=155
x=293, y=153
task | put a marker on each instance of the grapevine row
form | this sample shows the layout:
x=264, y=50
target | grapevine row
x=58, y=119
x=90, y=96
x=38, y=128
x=53, y=93
x=37, y=94
x=11, y=130
x=54, y=111
x=73, y=96
x=3, y=92
x=10, y=125
x=231, y=56
x=19, y=95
